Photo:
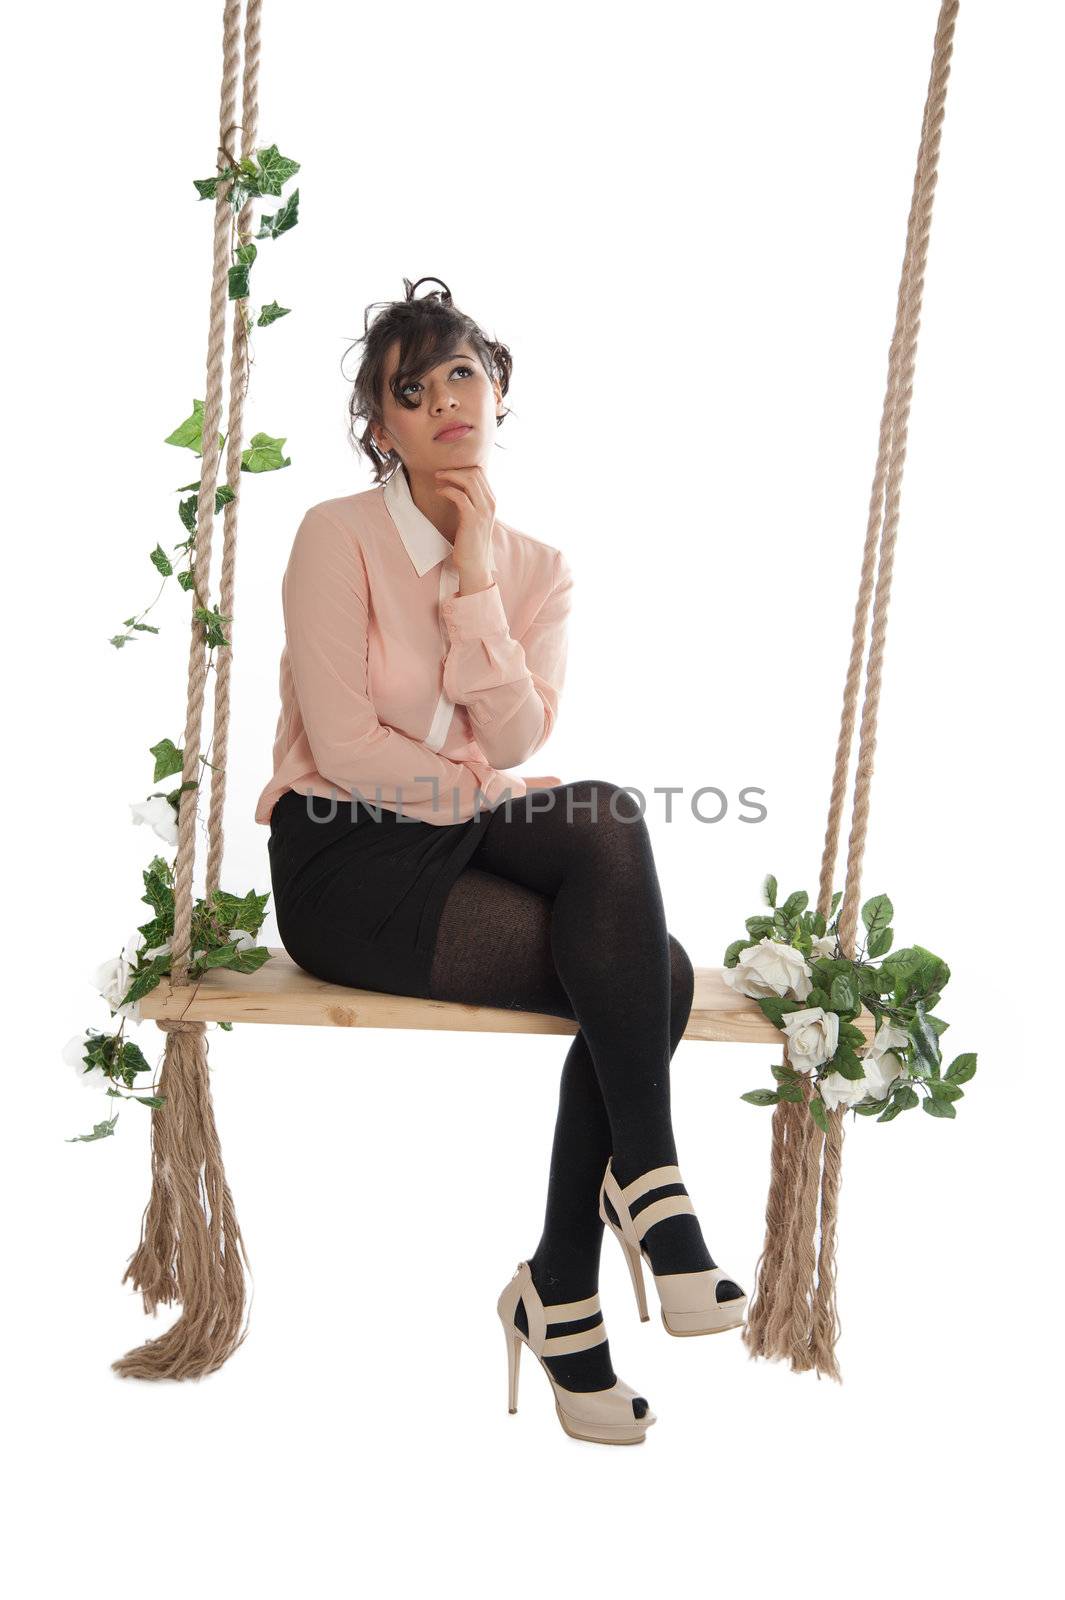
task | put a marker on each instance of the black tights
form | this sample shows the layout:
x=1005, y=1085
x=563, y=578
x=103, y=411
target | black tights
x=560, y=911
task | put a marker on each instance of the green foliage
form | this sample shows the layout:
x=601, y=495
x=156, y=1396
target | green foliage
x=224, y=927
x=900, y=988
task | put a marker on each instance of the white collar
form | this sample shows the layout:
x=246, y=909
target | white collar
x=423, y=542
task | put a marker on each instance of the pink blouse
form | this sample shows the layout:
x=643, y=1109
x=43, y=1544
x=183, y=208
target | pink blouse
x=397, y=690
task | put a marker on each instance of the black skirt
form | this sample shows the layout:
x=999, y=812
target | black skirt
x=358, y=891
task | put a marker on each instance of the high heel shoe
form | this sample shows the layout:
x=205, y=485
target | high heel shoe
x=689, y=1299
x=602, y=1416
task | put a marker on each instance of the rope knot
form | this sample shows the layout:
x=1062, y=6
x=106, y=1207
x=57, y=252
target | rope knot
x=180, y=1025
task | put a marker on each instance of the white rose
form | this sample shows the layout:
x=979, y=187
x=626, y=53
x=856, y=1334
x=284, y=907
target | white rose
x=888, y=1037
x=74, y=1052
x=826, y=947
x=770, y=968
x=882, y=1065
x=112, y=978
x=242, y=939
x=813, y=1035
x=880, y=1073
x=837, y=1090
x=157, y=950
x=159, y=814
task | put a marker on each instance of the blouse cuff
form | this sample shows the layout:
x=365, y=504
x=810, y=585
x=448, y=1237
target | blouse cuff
x=474, y=616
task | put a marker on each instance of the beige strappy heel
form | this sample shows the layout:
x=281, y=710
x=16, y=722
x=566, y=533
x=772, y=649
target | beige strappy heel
x=602, y=1416
x=689, y=1299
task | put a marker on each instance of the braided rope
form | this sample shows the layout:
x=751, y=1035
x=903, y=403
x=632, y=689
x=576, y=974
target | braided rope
x=238, y=372
x=884, y=503
x=216, y=337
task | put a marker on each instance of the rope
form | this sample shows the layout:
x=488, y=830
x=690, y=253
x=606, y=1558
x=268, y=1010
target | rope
x=884, y=502
x=216, y=337
x=238, y=382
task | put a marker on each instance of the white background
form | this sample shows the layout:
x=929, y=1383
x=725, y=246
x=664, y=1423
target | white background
x=687, y=223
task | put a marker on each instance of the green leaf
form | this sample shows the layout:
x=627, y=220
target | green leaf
x=769, y=890
x=792, y=1091
x=761, y=1097
x=247, y=960
x=264, y=454
x=153, y=1100
x=238, y=282
x=879, y=943
x=819, y=1112
x=161, y=560
x=946, y=1091
x=168, y=759
x=937, y=1107
x=784, y=1074
x=213, y=621
x=868, y=1108
x=847, y=1064
x=795, y=903
x=100, y=1130
x=735, y=950
x=925, y=1042
x=274, y=170
x=132, y=1058
x=843, y=995
x=877, y=912
x=961, y=1069
x=271, y=313
x=760, y=926
x=281, y=221
x=189, y=434
x=890, y=1112
x=774, y=1009
x=850, y=1034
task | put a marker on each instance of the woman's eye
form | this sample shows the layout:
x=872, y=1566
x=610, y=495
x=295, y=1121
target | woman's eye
x=414, y=383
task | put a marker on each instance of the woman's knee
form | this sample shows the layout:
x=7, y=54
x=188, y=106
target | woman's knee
x=602, y=803
x=681, y=979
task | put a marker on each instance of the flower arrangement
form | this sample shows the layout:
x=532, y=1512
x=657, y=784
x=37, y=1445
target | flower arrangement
x=223, y=928
x=792, y=964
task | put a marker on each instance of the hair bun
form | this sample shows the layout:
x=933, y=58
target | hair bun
x=435, y=295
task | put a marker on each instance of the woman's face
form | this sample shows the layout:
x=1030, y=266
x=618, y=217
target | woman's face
x=453, y=392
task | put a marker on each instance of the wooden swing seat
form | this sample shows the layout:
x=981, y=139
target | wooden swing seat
x=281, y=992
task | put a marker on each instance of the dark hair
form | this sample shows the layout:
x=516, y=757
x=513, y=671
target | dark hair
x=427, y=329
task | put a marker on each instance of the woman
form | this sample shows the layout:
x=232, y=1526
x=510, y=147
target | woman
x=425, y=654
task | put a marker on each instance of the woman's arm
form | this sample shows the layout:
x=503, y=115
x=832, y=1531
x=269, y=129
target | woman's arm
x=325, y=598
x=510, y=687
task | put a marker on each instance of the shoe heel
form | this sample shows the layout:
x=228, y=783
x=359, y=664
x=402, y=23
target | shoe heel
x=513, y=1338
x=635, y=1265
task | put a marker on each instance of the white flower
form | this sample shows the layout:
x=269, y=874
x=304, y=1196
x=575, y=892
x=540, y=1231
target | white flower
x=112, y=978
x=823, y=947
x=882, y=1065
x=156, y=950
x=74, y=1052
x=770, y=968
x=880, y=1073
x=888, y=1037
x=813, y=1035
x=160, y=816
x=837, y=1090
x=243, y=939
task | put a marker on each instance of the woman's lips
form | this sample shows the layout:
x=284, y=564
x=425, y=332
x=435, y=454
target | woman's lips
x=456, y=432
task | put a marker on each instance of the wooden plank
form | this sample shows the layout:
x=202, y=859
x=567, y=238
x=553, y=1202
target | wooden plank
x=281, y=992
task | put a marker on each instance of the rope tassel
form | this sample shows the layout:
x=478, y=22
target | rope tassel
x=191, y=1251
x=792, y=1315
